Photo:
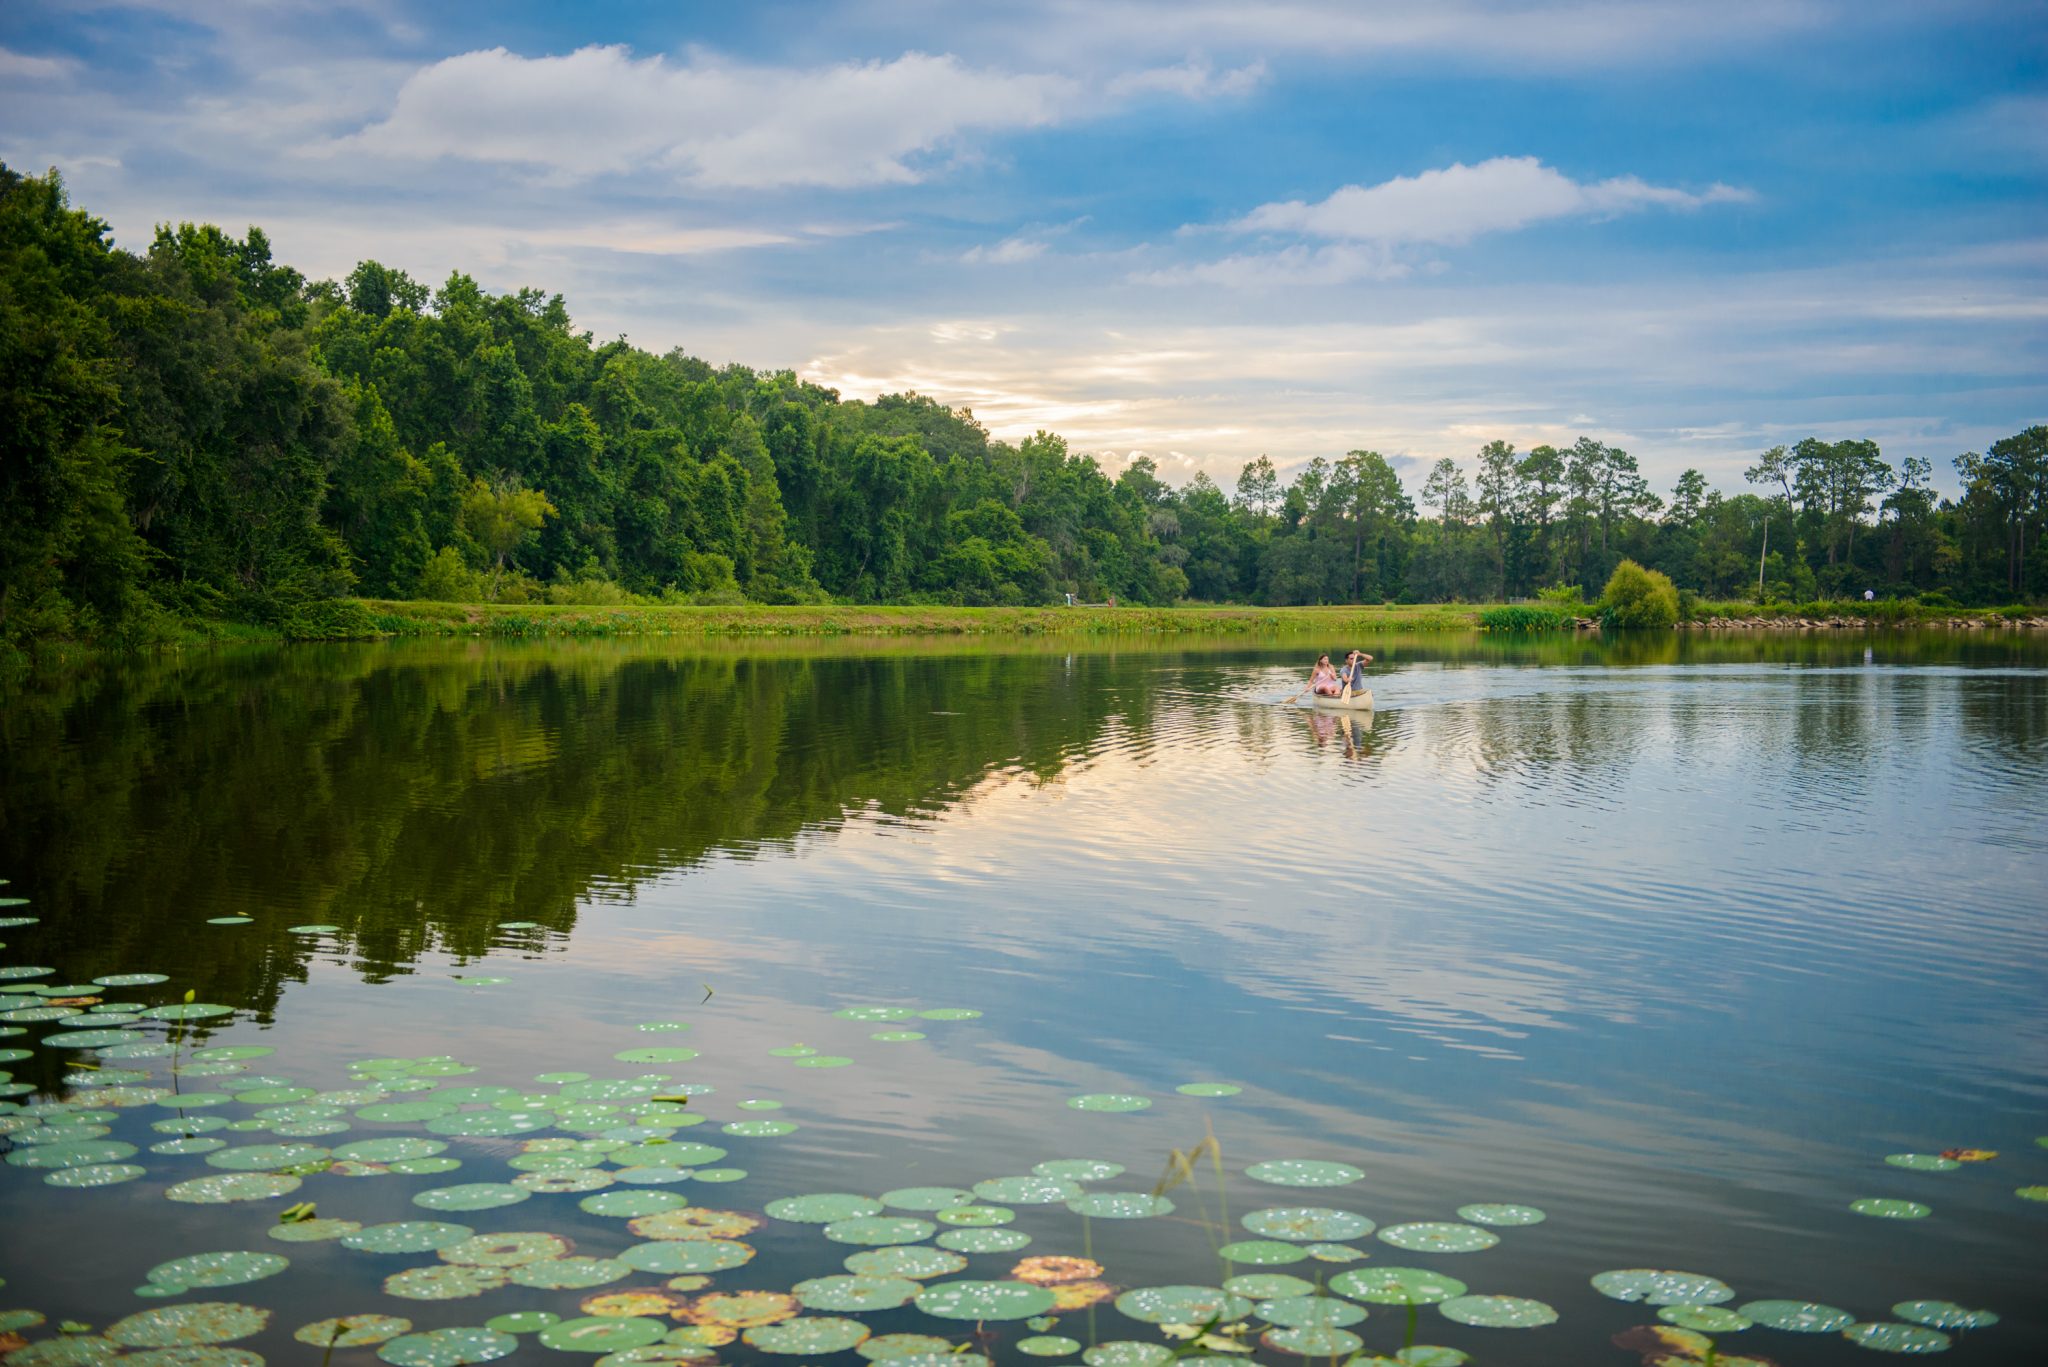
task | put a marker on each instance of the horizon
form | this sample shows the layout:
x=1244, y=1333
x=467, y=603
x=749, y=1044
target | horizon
x=1198, y=233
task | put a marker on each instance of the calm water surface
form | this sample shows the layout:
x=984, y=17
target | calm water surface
x=1675, y=940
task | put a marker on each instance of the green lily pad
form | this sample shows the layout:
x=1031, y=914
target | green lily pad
x=1048, y=1346
x=823, y=1061
x=1309, y=1312
x=879, y=1229
x=984, y=1300
x=1269, y=1286
x=949, y=1013
x=352, y=1331
x=1113, y=1102
x=94, y=1175
x=424, y=1167
x=1922, y=1162
x=442, y=1282
x=1208, y=1089
x=488, y=1124
x=313, y=1231
x=312, y=930
x=407, y=1236
x=896, y=1347
x=793, y=1051
x=905, y=1260
x=217, y=1269
x=404, y=1112
x=600, y=1334
x=1439, y=1237
x=1026, y=1191
x=203, y=1356
x=823, y=1208
x=855, y=1293
x=1653, y=1287
x=1886, y=1208
x=2031, y=1193
x=983, y=1240
x=1944, y=1315
x=506, y=1250
x=570, y=1274
x=523, y=1321
x=875, y=1013
x=687, y=1154
x=644, y=1176
x=1120, y=1205
x=203, y=1322
x=189, y=1011
x=569, y=1181
x=390, y=1150
x=71, y=1155
x=1181, y=1304
x=1397, y=1286
x=1303, y=1172
x=266, y=1157
x=1800, y=1317
x=471, y=1196
x=1262, y=1252
x=1316, y=1343
x=1498, y=1312
x=1499, y=1215
x=809, y=1335
x=229, y=920
x=1897, y=1338
x=1078, y=1169
x=975, y=1217
x=233, y=1186
x=760, y=1129
x=897, y=1036
x=232, y=1053
x=93, y=1039
x=1705, y=1319
x=690, y=1255
x=21, y=972
x=1306, y=1224
x=655, y=1055
x=448, y=1347
x=632, y=1204
x=926, y=1198
x=1127, y=1353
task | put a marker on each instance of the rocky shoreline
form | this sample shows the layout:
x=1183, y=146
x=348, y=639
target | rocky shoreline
x=2036, y=623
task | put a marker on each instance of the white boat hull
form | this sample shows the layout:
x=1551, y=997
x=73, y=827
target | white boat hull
x=1357, y=702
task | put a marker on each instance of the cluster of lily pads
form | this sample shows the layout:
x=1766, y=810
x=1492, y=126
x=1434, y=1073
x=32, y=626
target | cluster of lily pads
x=615, y=1145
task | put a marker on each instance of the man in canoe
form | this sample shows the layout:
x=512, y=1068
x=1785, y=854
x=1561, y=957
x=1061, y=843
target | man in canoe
x=1352, y=676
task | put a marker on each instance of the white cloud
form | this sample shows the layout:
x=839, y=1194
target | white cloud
x=1458, y=203
x=1009, y=252
x=22, y=66
x=601, y=110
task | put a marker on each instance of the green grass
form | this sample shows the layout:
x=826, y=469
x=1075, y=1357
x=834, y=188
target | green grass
x=1881, y=612
x=417, y=619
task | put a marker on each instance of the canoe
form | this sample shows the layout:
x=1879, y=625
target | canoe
x=1357, y=702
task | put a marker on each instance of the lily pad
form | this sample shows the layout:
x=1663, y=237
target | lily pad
x=1078, y=1169
x=569, y=1274
x=352, y=1331
x=1887, y=1208
x=1706, y=1319
x=471, y=1196
x=1048, y=1346
x=217, y=1269
x=855, y=1293
x=760, y=1129
x=202, y=1322
x=655, y=1054
x=1397, y=1286
x=1303, y=1172
x=1027, y=1191
x=1800, y=1317
x=809, y=1335
x=897, y=1036
x=233, y=1186
x=1439, y=1237
x=695, y=1222
x=1306, y=1223
x=949, y=1013
x=390, y=1150
x=1498, y=1215
x=1120, y=1205
x=975, y=1217
x=523, y=1321
x=984, y=1300
x=1127, y=1353
x=1498, y=1312
x=602, y=1334
x=926, y=1198
x=630, y=1204
x=823, y=1208
x=687, y=1255
x=1309, y=1312
x=442, y=1282
x=1922, y=1162
x=879, y=1229
x=314, y=1231
x=1897, y=1338
x=312, y=930
x=732, y=1310
x=1182, y=1304
x=1208, y=1089
x=1113, y=1102
x=894, y=1347
x=1316, y=1343
x=266, y=1157
x=875, y=1013
x=1944, y=1315
x=506, y=1250
x=1268, y=1286
x=189, y=1011
x=823, y=1061
x=1653, y=1287
x=905, y=1260
x=571, y=1181
x=448, y=1347
x=983, y=1240
x=71, y=1155
x=407, y=1236
x=1262, y=1252
x=488, y=1124
x=94, y=1175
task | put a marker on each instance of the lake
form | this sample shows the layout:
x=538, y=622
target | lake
x=1645, y=954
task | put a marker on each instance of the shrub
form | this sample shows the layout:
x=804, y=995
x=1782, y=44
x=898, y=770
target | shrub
x=1637, y=599
x=1525, y=617
x=1935, y=598
x=1565, y=598
x=447, y=578
x=1688, y=606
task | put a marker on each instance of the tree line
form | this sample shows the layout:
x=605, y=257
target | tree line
x=195, y=430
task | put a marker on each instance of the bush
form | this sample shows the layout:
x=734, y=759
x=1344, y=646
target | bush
x=1935, y=598
x=1565, y=598
x=1637, y=599
x=1688, y=606
x=1525, y=617
x=447, y=578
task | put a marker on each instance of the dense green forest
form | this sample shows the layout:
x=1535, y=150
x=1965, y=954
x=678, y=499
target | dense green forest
x=196, y=431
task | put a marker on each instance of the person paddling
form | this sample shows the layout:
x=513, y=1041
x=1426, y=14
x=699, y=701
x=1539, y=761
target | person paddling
x=1352, y=676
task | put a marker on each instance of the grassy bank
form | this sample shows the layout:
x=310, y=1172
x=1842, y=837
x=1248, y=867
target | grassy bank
x=415, y=619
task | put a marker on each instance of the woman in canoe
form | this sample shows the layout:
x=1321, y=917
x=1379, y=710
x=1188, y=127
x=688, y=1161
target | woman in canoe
x=1323, y=680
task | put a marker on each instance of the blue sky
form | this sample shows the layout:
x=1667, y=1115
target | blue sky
x=1199, y=230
